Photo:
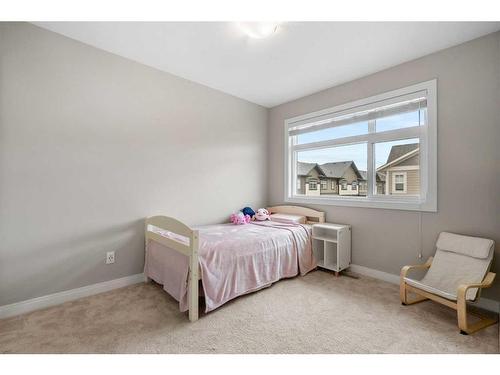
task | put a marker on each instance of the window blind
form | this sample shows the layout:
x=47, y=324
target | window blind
x=374, y=111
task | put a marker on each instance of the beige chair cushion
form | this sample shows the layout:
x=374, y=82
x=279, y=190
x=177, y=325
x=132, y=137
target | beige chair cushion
x=450, y=269
x=472, y=246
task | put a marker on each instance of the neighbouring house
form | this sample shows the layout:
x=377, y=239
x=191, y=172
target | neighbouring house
x=336, y=178
x=402, y=170
x=308, y=178
x=399, y=175
x=363, y=184
x=342, y=178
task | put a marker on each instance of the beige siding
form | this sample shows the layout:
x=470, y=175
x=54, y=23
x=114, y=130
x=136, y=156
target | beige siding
x=412, y=181
x=329, y=189
x=350, y=175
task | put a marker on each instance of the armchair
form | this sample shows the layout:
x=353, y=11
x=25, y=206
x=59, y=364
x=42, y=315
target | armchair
x=456, y=274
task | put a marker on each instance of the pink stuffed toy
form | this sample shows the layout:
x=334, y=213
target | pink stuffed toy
x=240, y=219
x=262, y=214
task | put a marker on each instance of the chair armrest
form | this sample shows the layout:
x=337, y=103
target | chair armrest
x=406, y=269
x=486, y=283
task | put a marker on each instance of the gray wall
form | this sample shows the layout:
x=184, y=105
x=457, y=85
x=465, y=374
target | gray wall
x=468, y=155
x=91, y=143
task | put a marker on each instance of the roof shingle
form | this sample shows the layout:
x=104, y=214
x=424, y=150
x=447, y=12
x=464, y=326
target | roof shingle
x=336, y=169
x=303, y=169
x=400, y=150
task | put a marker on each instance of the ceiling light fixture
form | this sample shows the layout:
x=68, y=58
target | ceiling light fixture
x=258, y=30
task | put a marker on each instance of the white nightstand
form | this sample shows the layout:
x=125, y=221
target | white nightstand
x=332, y=246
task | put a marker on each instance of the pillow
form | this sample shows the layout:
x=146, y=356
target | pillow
x=475, y=247
x=287, y=218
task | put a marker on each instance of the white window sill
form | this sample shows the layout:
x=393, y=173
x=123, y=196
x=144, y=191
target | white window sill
x=392, y=203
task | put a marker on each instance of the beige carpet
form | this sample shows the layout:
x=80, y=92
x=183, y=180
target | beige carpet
x=317, y=313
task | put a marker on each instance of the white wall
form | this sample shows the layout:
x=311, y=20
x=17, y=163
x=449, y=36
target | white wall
x=91, y=143
x=468, y=155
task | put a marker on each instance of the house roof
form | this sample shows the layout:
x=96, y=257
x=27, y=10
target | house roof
x=303, y=169
x=333, y=169
x=380, y=176
x=338, y=169
x=399, y=154
x=400, y=150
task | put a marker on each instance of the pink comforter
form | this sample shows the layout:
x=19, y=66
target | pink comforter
x=234, y=260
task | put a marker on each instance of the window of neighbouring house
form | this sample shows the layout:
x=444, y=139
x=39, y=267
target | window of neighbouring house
x=380, y=150
x=399, y=182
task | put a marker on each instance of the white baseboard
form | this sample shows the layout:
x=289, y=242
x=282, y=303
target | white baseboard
x=67, y=295
x=376, y=274
x=484, y=303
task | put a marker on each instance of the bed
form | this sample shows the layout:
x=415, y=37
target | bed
x=227, y=260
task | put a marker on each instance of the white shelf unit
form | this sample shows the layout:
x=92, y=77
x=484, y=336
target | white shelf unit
x=332, y=246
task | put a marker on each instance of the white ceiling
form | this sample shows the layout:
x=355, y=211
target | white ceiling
x=299, y=59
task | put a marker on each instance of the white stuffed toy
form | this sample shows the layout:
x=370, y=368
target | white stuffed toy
x=262, y=214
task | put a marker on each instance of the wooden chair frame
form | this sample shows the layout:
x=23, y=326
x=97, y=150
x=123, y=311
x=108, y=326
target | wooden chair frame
x=460, y=305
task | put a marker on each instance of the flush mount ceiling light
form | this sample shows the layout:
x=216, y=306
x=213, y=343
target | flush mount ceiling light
x=258, y=30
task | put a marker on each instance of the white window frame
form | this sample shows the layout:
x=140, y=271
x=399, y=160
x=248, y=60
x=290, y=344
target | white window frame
x=405, y=182
x=427, y=201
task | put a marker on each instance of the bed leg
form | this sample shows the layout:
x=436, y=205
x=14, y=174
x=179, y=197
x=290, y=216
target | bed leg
x=193, y=300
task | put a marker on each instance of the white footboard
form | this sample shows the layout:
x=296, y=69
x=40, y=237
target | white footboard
x=187, y=246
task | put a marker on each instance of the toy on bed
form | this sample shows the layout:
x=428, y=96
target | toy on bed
x=262, y=214
x=248, y=211
x=240, y=218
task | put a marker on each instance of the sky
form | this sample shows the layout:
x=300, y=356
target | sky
x=356, y=152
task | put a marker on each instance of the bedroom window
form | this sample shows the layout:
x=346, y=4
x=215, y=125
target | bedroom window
x=380, y=151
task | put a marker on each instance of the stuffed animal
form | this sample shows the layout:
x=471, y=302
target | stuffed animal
x=262, y=214
x=248, y=211
x=239, y=218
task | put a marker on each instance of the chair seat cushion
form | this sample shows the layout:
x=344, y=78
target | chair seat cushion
x=430, y=289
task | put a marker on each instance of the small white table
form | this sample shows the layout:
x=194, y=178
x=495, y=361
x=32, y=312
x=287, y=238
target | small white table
x=332, y=246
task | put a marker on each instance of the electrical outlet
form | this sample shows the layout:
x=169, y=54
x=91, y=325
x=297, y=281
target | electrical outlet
x=110, y=257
